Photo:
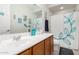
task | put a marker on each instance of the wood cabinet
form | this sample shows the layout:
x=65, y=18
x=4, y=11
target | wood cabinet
x=44, y=47
x=48, y=46
x=39, y=49
x=26, y=52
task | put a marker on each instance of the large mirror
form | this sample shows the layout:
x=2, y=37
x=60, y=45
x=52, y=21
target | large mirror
x=19, y=18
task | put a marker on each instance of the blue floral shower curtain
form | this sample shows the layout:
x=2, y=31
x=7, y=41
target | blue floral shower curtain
x=64, y=29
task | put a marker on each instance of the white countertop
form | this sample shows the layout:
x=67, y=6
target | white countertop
x=13, y=47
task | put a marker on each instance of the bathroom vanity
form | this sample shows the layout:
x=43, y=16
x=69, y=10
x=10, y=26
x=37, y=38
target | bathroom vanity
x=44, y=47
x=40, y=44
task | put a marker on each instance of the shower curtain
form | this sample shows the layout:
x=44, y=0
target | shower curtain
x=64, y=27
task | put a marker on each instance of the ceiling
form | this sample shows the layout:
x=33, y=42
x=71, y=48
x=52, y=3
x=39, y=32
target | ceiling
x=51, y=7
x=65, y=7
x=35, y=7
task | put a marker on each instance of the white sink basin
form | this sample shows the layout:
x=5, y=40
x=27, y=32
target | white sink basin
x=11, y=45
x=14, y=43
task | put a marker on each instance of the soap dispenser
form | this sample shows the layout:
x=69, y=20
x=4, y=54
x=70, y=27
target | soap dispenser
x=33, y=31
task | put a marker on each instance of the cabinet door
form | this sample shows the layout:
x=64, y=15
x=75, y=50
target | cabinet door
x=26, y=52
x=39, y=49
x=52, y=45
x=48, y=46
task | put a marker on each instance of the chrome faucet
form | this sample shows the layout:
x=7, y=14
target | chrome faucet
x=17, y=37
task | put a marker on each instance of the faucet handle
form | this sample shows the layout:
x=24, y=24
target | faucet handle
x=16, y=37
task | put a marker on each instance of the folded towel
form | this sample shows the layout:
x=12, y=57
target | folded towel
x=46, y=26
